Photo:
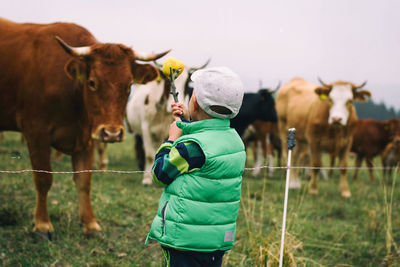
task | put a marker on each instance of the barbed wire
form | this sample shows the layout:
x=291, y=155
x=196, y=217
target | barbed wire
x=142, y=172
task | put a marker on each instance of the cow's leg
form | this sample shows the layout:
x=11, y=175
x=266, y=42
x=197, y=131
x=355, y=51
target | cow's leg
x=264, y=150
x=269, y=153
x=258, y=150
x=139, y=152
x=315, y=162
x=344, y=186
x=324, y=174
x=102, y=152
x=39, y=150
x=147, y=177
x=383, y=161
x=332, y=157
x=149, y=151
x=83, y=161
x=370, y=170
x=283, y=131
x=358, y=165
x=253, y=145
x=279, y=151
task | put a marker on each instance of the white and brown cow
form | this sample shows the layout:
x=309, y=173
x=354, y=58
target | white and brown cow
x=324, y=118
x=149, y=115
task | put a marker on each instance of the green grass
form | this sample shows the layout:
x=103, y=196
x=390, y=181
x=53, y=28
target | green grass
x=323, y=230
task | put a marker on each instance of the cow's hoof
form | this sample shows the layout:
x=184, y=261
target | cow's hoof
x=147, y=181
x=295, y=184
x=43, y=227
x=91, y=228
x=47, y=236
x=313, y=191
x=346, y=194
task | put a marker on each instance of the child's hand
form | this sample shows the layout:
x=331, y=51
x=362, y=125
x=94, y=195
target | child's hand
x=174, y=131
x=179, y=109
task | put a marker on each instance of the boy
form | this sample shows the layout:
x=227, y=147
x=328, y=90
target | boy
x=201, y=165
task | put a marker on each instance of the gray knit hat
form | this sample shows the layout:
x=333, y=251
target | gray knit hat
x=219, y=91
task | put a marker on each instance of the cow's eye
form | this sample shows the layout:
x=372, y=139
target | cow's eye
x=92, y=85
x=349, y=102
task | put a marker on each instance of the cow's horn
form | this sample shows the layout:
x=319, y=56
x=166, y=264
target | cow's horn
x=322, y=83
x=149, y=57
x=202, y=67
x=75, y=51
x=272, y=91
x=279, y=85
x=360, y=86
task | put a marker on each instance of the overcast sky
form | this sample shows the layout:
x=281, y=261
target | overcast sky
x=271, y=40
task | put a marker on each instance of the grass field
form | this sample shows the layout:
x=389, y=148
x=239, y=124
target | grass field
x=323, y=230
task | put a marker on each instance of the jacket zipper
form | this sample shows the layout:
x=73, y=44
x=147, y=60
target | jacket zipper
x=164, y=215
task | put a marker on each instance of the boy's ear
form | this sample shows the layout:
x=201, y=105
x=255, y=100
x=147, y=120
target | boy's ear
x=195, y=104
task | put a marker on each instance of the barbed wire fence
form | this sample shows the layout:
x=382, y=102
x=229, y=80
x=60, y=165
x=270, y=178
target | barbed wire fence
x=142, y=172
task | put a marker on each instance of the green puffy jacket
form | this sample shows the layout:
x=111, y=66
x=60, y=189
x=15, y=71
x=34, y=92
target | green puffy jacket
x=198, y=210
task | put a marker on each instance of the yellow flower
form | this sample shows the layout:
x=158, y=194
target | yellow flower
x=174, y=64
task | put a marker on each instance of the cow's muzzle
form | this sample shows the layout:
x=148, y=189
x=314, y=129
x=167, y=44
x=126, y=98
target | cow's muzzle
x=109, y=134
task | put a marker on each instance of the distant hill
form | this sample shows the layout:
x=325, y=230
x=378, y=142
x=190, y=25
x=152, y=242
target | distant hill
x=372, y=110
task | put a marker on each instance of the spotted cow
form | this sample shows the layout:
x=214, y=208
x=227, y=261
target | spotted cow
x=149, y=115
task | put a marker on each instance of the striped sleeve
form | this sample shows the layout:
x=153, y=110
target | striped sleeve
x=172, y=161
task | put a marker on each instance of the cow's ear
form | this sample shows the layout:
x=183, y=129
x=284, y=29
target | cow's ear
x=144, y=73
x=75, y=69
x=323, y=92
x=362, y=95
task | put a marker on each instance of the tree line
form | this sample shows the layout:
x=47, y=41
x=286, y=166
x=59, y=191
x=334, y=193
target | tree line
x=372, y=110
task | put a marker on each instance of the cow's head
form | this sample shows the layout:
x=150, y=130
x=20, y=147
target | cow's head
x=394, y=127
x=265, y=106
x=341, y=96
x=183, y=83
x=106, y=73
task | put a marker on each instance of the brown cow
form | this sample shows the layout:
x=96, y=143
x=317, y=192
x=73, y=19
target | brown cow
x=394, y=126
x=369, y=140
x=63, y=96
x=391, y=156
x=324, y=118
